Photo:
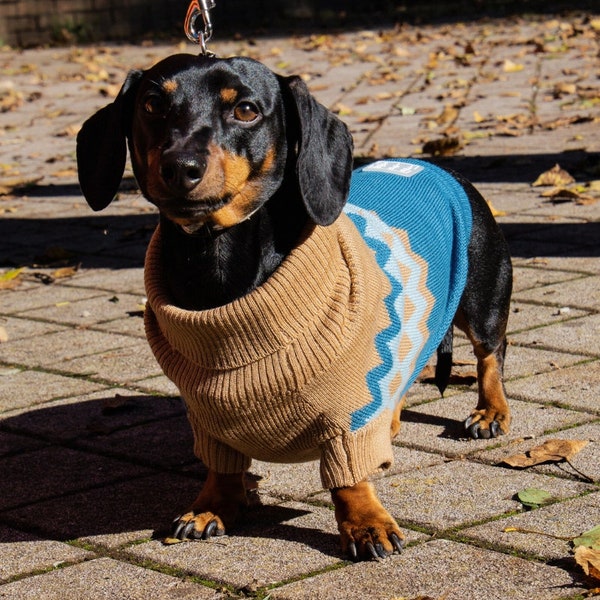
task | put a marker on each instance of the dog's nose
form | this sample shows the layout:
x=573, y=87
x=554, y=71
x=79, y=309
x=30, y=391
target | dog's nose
x=182, y=172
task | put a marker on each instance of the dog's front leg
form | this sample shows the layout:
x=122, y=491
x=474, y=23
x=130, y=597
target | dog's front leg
x=367, y=529
x=215, y=509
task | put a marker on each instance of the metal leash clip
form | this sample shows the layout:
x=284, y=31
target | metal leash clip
x=199, y=8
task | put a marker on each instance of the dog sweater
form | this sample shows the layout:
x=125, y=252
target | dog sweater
x=312, y=363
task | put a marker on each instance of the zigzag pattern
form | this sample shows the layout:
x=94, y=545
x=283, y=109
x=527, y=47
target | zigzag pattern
x=408, y=305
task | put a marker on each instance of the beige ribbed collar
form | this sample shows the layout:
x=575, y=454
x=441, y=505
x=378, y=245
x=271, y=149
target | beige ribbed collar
x=310, y=298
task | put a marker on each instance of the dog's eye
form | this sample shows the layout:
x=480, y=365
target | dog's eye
x=154, y=104
x=246, y=112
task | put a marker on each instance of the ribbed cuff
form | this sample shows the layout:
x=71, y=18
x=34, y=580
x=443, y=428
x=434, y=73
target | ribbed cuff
x=352, y=457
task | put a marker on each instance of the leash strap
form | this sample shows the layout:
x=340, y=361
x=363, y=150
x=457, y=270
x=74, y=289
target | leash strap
x=196, y=9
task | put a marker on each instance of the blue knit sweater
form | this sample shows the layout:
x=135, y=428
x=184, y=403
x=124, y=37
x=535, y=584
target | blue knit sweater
x=417, y=219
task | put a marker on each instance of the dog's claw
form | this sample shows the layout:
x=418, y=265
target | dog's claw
x=352, y=551
x=178, y=528
x=210, y=530
x=396, y=542
x=495, y=429
x=476, y=431
x=188, y=531
x=371, y=550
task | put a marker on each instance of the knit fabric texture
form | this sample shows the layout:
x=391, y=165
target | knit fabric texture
x=312, y=363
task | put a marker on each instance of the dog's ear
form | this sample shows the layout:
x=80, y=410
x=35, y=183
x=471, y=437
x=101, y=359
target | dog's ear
x=102, y=146
x=324, y=161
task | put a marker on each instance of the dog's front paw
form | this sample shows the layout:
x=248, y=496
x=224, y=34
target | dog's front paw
x=215, y=509
x=370, y=539
x=203, y=526
x=367, y=530
x=487, y=424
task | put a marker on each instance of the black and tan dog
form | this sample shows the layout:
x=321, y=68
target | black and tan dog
x=250, y=175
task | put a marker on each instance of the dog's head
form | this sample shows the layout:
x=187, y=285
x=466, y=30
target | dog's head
x=211, y=141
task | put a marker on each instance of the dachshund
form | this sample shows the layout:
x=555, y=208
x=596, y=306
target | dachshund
x=251, y=177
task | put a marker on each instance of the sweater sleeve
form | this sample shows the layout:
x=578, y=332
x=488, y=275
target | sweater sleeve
x=353, y=456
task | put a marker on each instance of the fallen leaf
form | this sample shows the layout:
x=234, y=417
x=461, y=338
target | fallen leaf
x=448, y=115
x=495, y=211
x=589, y=561
x=559, y=194
x=442, y=146
x=511, y=67
x=65, y=173
x=69, y=131
x=3, y=335
x=589, y=539
x=10, y=279
x=118, y=403
x=65, y=272
x=10, y=99
x=533, y=497
x=169, y=541
x=555, y=176
x=562, y=88
x=550, y=451
x=8, y=186
x=342, y=109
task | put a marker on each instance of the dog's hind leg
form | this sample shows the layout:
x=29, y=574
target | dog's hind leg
x=483, y=316
x=491, y=416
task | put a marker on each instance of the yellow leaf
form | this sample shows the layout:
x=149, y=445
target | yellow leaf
x=511, y=67
x=555, y=176
x=11, y=274
x=170, y=541
x=478, y=118
x=65, y=272
x=65, y=173
x=589, y=561
x=495, y=211
x=342, y=109
x=10, y=279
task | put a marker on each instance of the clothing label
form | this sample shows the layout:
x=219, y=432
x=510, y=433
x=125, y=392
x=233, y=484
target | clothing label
x=394, y=167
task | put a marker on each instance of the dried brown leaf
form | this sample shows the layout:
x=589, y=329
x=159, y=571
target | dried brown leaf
x=448, y=115
x=3, y=335
x=115, y=404
x=442, y=146
x=589, y=561
x=556, y=176
x=550, y=451
x=8, y=186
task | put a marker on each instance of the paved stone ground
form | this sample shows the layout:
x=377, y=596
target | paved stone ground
x=95, y=452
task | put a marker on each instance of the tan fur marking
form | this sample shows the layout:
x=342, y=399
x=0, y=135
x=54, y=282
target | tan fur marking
x=228, y=95
x=170, y=86
x=236, y=170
